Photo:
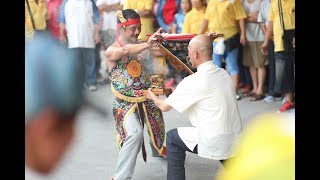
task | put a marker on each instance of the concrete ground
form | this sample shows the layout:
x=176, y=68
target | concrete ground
x=93, y=154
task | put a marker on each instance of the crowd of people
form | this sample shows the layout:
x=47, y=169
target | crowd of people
x=242, y=53
x=251, y=58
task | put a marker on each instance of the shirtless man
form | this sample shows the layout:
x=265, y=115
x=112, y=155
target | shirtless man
x=131, y=109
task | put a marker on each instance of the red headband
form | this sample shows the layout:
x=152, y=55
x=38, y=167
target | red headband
x=129, y=22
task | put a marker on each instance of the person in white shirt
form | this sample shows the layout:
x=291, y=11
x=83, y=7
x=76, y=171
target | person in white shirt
x=252, y=56
x=209, y=100
x=80, y=19
x=107, y=31
x=108, y=9
x=263, y=21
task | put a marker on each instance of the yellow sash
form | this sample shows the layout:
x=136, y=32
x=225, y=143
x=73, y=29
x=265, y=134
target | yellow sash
x=127, y=98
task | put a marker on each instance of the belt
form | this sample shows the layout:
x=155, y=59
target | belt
x=127, y=98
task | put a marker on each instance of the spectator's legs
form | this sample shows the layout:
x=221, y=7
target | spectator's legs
x=88, y=56
x=245, y=78
x=217, y=58
x=285, y=75
x=271, y=70
x=97, y=61
x=232, y=66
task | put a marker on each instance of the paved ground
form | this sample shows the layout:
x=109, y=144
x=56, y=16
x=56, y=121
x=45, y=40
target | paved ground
x=93, y=154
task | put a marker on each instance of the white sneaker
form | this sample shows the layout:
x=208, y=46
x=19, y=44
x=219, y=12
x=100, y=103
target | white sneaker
x=92, y=88
x=238, y=97
x=278, y=98
x=269, y=99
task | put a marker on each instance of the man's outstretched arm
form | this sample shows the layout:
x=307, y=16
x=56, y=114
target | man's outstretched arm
x=160, y=103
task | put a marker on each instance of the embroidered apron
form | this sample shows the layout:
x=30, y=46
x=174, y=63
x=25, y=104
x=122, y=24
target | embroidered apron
x=128, y=80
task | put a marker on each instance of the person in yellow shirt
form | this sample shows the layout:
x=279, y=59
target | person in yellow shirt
x=266, y=150
x=193, y=19
x=36, y=10
x=176, y=27
x=284, y=59
x=226, y=16
x=145, y=10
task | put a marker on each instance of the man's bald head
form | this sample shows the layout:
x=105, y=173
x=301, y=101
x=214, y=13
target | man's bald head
x=200, y=50
x=203, y=44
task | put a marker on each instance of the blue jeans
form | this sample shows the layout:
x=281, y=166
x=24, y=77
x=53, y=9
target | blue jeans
x=231, y=59
x=176, y=155
x=284, y=72
x=87, y=59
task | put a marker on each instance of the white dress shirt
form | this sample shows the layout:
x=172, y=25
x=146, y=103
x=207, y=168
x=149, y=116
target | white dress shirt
x=208, y=98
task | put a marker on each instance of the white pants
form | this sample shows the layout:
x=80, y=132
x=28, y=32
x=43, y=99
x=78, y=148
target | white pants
x=128, y=153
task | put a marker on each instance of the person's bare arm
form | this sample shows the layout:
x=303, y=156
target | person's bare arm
x=145, y=13
x=269, y=31
x=204, y=26
x=114, y=53
x=264, y=46
x=243, y=37
x=62, y=37
x=108, y=7
x=119, y=7
x=160, y=103
x=96, y=34
x=174, y=28
x=253, y=16
x=263, y=28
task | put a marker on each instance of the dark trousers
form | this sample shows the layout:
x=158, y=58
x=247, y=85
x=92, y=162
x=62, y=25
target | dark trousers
x=176, y=155
x=284, y=72
x=97, y=59
x=245, y=76
x=272, y=71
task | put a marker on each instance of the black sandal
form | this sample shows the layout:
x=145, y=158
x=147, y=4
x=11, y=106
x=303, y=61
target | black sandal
x=257, y=97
